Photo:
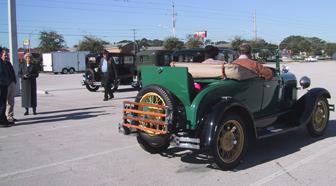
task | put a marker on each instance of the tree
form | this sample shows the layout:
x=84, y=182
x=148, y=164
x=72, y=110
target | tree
x=156, y=42
x=330, y=49
x=125, y=41
x=237, y=41
x=297, y=44
x=92, y=44
x=172, y=43
x=51, y=41
x=193, y=42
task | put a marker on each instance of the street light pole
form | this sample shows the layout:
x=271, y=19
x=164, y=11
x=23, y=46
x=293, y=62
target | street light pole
x=12, y=34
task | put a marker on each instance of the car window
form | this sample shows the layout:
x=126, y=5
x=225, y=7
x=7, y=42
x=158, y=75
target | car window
x=117, y=60
x=128, y=59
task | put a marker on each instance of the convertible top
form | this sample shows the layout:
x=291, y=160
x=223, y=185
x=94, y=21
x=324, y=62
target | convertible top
x=230, y=71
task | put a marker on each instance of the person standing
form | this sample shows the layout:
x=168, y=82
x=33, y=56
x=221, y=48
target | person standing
x=109, y=71
x=4, y=82
x=11, y=87
x=28, y=73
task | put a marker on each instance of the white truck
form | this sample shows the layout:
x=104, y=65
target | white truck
x=64, y=62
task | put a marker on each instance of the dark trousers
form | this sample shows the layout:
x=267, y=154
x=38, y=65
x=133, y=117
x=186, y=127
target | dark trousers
x=107, y=85
x=3, y=103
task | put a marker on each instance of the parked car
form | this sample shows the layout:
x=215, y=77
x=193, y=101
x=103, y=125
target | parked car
x=227, y=109
x=150, y=58
x=298, y=58
x=197, y=55
x=311, y=59
x=93, y=76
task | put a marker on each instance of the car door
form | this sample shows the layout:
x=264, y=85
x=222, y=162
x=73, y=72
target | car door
x=271, y=97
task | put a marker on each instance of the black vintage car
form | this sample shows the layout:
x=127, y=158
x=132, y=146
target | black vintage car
x=150, y=58
x=197, y=55
x=93, y=75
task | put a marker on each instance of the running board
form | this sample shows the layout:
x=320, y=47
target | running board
x=274, y=130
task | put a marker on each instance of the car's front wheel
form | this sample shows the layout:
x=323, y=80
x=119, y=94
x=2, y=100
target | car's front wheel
x=230, y=141
x=319, y=118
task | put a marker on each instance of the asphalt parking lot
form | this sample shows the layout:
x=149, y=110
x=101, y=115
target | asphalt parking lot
x=74, y=140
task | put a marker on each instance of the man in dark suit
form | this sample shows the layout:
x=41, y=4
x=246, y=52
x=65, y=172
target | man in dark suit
x=4, y=82
x=109, y=71
x=11, y=87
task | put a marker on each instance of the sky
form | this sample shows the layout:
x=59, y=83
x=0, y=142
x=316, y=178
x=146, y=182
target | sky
x=113, y=20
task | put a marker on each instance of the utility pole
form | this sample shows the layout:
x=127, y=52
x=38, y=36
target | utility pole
x=255, y=26
x=134, y=45
x=13, y=44
x=174, y=14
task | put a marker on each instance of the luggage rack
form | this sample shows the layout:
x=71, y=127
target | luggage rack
x=147, y=117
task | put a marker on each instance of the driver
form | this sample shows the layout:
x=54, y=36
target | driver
x=246, y=61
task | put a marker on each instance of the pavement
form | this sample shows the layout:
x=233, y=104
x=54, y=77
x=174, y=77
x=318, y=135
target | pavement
x=74, y=140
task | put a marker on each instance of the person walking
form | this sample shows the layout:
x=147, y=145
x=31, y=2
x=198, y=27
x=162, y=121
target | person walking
x=11, y=88
x=28, y=73
x=4, y=82
x=109, y=71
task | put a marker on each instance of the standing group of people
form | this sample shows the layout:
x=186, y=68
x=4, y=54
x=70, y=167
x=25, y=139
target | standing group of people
x=28, y=73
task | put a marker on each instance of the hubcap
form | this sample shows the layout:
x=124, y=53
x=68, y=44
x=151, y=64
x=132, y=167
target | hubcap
x=320, y=116
x=230, y=141
x=152, y=98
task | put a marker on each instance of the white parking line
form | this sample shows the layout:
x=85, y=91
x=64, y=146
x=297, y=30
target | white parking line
x=65, y=162
x=293, y=166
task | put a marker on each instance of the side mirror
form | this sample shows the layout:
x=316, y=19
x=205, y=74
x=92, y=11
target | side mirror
x=285, y=68
x=305, y=82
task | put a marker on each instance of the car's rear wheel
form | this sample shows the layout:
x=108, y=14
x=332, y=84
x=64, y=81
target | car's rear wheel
x=320, y=118
x=230, y=142
x=72, y=70
x=65, y=71
x=92, y=88
x=148, y=140
x=115, y=84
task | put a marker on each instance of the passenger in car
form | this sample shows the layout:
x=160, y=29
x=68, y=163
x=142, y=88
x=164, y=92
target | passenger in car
x=246, y=61
x=210, y=55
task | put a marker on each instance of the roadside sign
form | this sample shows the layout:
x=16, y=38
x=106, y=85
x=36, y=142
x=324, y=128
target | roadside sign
x=26, y=42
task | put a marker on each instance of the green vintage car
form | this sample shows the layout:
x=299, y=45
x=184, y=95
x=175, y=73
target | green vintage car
x=220, y=109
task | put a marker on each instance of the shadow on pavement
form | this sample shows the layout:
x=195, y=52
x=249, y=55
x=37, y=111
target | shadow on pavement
x=60, y=117
x=261, y=151
x=69, y=110
x=126, y=89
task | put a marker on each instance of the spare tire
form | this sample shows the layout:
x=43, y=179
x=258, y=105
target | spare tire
x=150, y=142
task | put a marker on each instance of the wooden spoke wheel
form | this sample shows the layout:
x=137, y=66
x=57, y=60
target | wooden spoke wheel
x=319, y=118
x=230, y=142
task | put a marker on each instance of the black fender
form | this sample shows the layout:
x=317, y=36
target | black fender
x=217, y=112
x=304, y=107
